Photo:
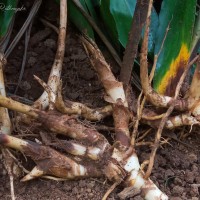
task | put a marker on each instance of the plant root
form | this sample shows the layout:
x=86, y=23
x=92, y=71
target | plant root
x=91, y=152
x=113, y=88
x=69, y=126
x=56, y=122
x=6, y=128
x=49, y=161
x=69, y=107
x=174, y=122
x=123, y=152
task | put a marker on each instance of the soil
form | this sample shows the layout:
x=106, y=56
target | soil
x=177, y=167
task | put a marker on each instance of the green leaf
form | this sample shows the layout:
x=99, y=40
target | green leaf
x=109, y=21
x=6, y=14
x=117, y=16
x=78, y=19
x=122, y=13
x=153, y=30
x=179, y=15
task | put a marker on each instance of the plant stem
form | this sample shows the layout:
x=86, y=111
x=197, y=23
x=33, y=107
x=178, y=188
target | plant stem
x=4, y=116
x=55, y=74
x=49, y=161
x=138, y=22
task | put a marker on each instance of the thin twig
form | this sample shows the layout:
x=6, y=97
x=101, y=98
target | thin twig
x=144, y=135
x=135, y=129
x=110, y=190
x=47, y=23
x=144, y=144
x=151, y=118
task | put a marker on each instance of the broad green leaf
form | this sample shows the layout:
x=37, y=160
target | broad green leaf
x=122, y=12
x=117, y=15
x=179, y=15
x=6, y=14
